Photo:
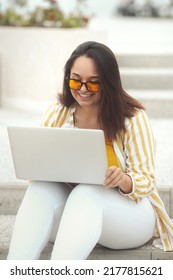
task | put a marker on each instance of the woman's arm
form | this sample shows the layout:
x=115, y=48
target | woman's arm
x=139, y=148
x=137, y=180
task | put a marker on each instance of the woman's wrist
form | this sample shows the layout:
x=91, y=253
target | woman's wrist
x=126, y=186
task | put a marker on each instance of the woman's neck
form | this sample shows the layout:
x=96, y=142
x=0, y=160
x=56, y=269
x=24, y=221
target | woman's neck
x=86, y=117
x=88, y=111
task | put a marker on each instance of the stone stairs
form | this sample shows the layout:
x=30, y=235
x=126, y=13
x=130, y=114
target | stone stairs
x=11, y=195
x=149, y=78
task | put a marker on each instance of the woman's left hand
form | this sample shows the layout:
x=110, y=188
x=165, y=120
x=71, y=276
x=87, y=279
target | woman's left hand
x=115, y=177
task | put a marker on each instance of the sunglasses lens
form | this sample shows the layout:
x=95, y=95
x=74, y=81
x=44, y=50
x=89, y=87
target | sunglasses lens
x=74, y=84
x=93, y=86
x=90, y=86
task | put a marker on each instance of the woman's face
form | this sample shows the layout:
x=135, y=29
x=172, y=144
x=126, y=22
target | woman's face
x=84, y=69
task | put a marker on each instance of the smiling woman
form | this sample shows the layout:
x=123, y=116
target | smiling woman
x=123, y=212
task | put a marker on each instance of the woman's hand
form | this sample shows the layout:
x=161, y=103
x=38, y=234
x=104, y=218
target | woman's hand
x=115, y=177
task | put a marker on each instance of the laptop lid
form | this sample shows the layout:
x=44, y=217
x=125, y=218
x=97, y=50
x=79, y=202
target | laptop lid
x=58, y=154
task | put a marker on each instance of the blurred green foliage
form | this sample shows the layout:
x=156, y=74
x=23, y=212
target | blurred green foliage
x=52, y=16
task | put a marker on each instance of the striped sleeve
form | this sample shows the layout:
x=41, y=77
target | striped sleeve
x=139, y=148
x=164, y=223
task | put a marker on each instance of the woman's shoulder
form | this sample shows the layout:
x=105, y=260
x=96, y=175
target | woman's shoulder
x=55, y=106
x=139, y=126
x=52, y=108
x=139, y=115
x=54, y=111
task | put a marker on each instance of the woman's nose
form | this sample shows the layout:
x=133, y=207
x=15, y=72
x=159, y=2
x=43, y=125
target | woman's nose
x=83, y=88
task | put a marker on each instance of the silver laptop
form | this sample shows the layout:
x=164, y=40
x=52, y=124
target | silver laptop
x=58, y=154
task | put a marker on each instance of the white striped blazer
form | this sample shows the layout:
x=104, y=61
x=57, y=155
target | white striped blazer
x=135, y=152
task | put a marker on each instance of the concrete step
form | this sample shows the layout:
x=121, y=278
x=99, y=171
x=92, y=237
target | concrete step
x=145, y=60
x=11, y=195
x=146, y=252
x=158, y=103
x=147, y=78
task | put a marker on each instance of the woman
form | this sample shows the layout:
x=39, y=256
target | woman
x=126, y=210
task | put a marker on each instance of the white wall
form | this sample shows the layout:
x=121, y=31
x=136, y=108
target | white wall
x=32, y=62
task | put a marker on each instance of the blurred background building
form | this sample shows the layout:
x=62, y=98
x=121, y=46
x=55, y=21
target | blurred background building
x=32, y=59
x=145, y=8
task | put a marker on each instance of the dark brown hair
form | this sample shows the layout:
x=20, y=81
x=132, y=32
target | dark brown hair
x=115, y=104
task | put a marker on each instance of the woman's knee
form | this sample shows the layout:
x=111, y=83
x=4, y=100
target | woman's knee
x=86, y=196
x=127, y=219
x=51, y=193
x=86, y=191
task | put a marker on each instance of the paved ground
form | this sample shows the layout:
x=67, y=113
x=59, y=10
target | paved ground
x=163, y=130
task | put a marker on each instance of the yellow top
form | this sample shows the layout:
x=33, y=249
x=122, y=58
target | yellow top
x=111, y=157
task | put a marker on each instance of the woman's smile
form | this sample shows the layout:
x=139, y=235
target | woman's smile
x=85, y=95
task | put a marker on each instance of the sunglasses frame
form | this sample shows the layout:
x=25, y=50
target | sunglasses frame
x=83, y=83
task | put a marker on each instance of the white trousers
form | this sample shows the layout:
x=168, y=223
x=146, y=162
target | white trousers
x=76, y=220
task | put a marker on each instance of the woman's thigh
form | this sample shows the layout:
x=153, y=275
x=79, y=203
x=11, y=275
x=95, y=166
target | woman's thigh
x=126, y=224
x=54, y=193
